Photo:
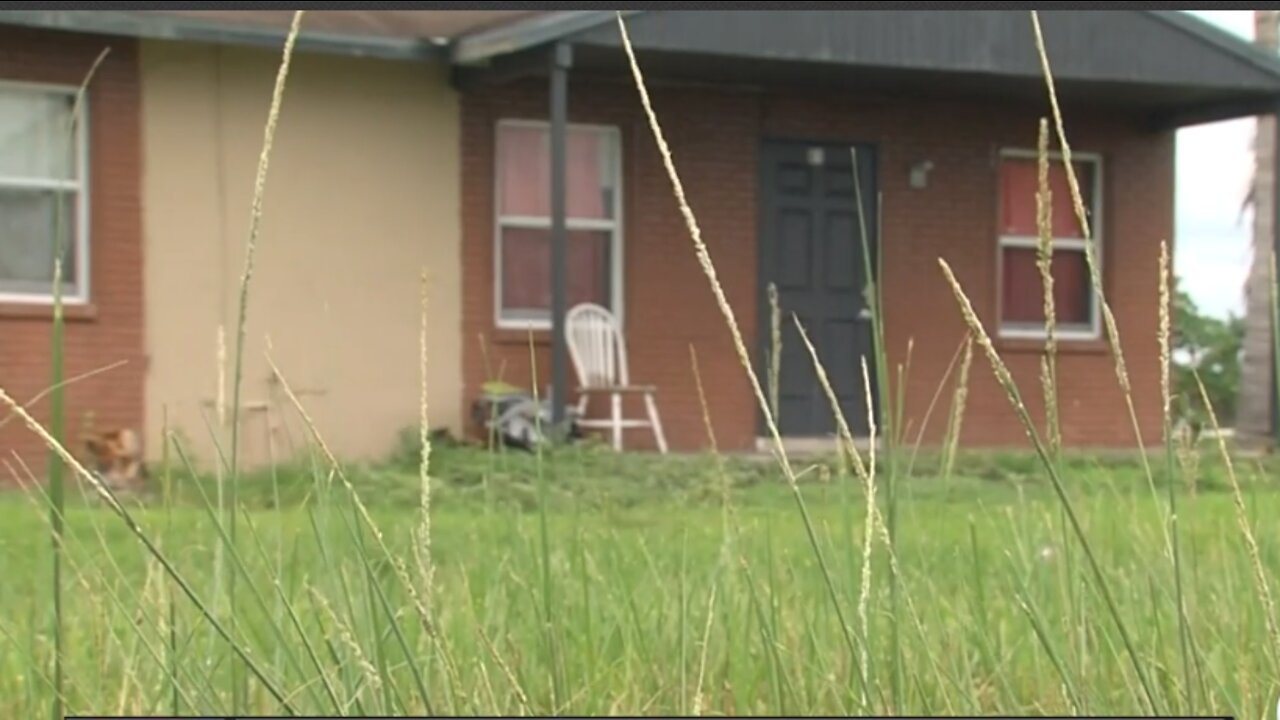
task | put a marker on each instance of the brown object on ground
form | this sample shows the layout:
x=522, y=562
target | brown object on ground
x=117, y=458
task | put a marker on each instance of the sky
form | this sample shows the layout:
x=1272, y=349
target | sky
x=1214, y=162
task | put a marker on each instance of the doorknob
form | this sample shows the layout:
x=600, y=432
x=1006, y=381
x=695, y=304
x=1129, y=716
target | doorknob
x=865, y=314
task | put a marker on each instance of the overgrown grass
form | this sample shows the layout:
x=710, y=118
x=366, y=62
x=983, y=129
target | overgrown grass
x=577, y=581
x=628, y=565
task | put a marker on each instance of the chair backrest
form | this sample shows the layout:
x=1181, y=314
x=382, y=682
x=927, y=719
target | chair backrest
x=596, y=346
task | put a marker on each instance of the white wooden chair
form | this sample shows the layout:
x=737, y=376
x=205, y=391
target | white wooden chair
x=599, y=355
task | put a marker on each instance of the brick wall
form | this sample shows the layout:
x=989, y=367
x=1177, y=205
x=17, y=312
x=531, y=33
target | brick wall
x=110, y=328
x=714, y=135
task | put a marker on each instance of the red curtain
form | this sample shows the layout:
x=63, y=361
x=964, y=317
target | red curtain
x=526, y=268
x=586, y=181
x=1023, y=292
x=1022, y=297
x=1019, y=181
x=524, y=170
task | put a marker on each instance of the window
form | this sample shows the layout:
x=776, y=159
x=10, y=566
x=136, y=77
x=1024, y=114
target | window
x=523, y=228
x=1021, y=297
x=41, y=194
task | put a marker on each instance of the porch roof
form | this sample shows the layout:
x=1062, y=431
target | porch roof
x=1168, y=67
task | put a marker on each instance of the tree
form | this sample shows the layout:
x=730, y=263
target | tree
x=1255, y=391
x=1213, y=348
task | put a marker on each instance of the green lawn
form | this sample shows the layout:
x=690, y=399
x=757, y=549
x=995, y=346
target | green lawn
x=646, y=604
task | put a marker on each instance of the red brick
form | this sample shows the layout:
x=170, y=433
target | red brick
x=714, y=136
x=114, y=329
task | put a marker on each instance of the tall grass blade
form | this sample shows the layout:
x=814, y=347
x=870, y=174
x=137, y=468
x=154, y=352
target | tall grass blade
x=951, y=443
x=152, y=549
x=775, y=348
x=875, y=297
x=1044, y=262
x=426, y=567
x=544, y=539
x=57, y=496
x=1251, y=541
x=744, y=357
x=255, y=219
x=1164, y=337
x=1005, y=379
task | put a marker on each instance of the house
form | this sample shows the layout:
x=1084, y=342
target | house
x=362, y=195
x=421, y=138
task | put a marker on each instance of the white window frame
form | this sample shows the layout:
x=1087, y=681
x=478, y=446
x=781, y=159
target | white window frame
x=1038, y=331
x=613, y=226
x=79, y=185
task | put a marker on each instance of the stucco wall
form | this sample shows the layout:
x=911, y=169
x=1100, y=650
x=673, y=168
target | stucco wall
x=362, y=193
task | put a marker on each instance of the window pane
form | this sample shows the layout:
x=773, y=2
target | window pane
x=28, y=220
x=524, y=172
x=1023, y=293
x=590, y=160
x=1019, y=181
x=526, y=270
x=35, y=140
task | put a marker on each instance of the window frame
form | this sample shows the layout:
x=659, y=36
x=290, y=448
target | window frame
x=614, y=226
x=1038, y=331
x=80, y=186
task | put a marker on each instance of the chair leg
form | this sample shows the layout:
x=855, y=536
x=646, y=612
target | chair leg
x=617, y=422
x=656, y=423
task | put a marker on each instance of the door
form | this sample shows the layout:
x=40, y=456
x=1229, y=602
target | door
x=811, y=248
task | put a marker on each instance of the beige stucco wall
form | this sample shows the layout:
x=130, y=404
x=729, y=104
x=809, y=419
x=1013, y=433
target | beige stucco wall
x=362, y=194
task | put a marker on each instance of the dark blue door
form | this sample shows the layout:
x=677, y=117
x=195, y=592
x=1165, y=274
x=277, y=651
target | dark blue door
x=811, y=250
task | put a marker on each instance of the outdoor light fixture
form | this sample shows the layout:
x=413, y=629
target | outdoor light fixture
x=920, y=174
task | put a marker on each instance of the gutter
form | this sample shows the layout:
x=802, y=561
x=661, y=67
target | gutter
x=167, y=27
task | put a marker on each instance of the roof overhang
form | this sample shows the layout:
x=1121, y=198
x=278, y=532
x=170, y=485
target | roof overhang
x=480, y=48
x=164, y=26
x=1168, y=68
